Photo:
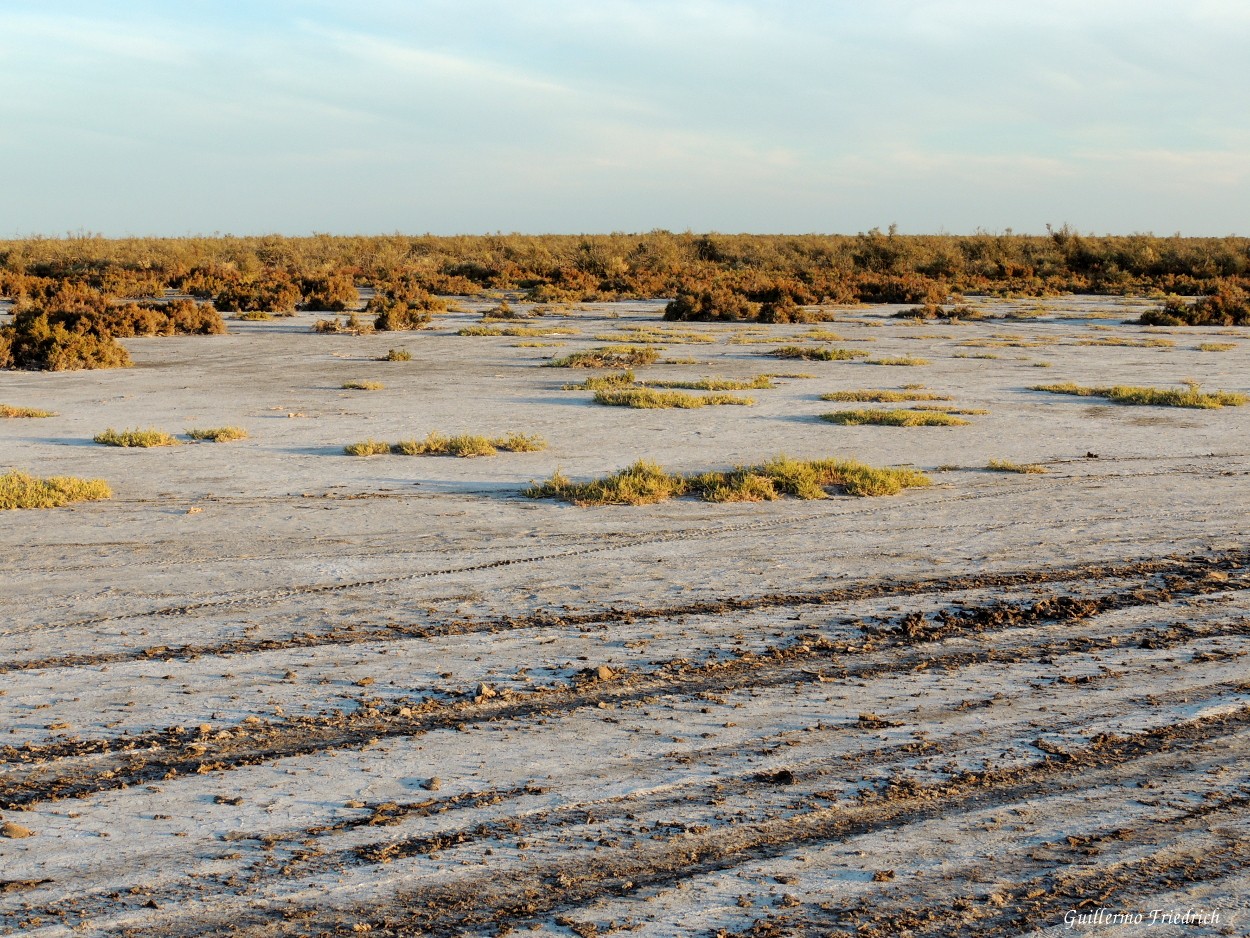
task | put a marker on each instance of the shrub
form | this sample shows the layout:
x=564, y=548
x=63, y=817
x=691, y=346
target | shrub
x=1228, y=305
x=651, y=399
x=1217, y=346
x=894, y=418
x=218, y=434
x=758, y=383
x=937, y=311
x=273, y=293
x=646, y=483
x=136, y=437
x=367, y=448
x=1004, y=465
x=402, y=304
x=256, y=315
x=349, y=326
x=21, y=490
x=363, y=386
x=333, y=293
x=883, y=397
x=716, y=304
x=1191, y=396
x=468, y=445
x=9, y=411
x=900, y=360
x=397, y=355
x=817, y=354
x=607, y=356
x=42, y=341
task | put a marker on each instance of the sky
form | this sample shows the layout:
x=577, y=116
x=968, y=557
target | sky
x=180, y=117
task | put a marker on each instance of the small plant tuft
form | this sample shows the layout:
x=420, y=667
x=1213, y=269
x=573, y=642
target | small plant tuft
x=21, y=490
x=218, y=434
x=894, y=418
x=1006, y=465
x=367, y=448
x=1191, y=396
x=8, y=411
x=363, y=386
x=136, y=437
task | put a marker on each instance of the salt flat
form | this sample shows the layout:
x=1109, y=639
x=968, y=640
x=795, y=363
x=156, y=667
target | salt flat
x=272, y=689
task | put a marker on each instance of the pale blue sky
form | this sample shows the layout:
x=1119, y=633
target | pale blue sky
x=177, y=117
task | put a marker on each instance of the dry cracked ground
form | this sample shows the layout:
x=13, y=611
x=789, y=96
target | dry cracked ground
x=271, y=689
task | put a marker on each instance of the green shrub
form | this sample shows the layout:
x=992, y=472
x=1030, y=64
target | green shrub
x=397, y=355
x=899, y=360
x=883, y=397
x=646, y=483
x=7, y=410
x=468, y=445
x=218, y=434
x=367, y=448
x=651, y=399
x=1228, y=305
x=136, y=437
x=403, y=304
x=1006, y=465
x=255, y=315
x=607, y=356
x=42, y=341
x=271, y=293
x=20, y=490
x=817, y=354
x=332, y=293
x=894, y=418
x=1191, y=396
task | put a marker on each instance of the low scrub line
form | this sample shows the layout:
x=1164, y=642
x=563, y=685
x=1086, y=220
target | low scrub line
x=21, y=490
x=1190, y=396
x=439, y=444
x=646, y=483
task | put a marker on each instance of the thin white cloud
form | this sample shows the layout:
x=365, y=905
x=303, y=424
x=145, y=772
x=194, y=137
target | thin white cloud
x=87, y=39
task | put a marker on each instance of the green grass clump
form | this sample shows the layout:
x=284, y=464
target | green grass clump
x=645, y=483
x=883, y=397
x=645, y=336
x=218, y=434
x=363, y=385
x=136, y=437
x=254, y=315
x=651, y=399
x=817, y=354
x=397, y=355
x=468, y=445
x=621, y=379
x=894, y=418
x=898, y=360
x=518, y=331
x=1191, y=396
x=8, y=411
x=1006, y=465
x=367, y=448
x=607, y=356
x=758, y=383
x=21, y=490
x=1217, y=346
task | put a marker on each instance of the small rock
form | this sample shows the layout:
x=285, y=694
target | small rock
x=15, y=831
x=364, y=682
x=882, y=876
x=485, y=692
x=604, y=673
x=432, y=784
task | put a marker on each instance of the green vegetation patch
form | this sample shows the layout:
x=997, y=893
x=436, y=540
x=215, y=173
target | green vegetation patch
x=1189, y=396
x=894, y=418
x=883, y=397
x=898, y=360
x=516, y=331
x=646, y=483
x=7, y=410
x=363, y=386
x=21, y=490
x=642, y=397
x=607, y=356
x=1217, y=346
x=440, y=444
x=218, y=434
x=1006, y=465
x=136, y=437
x=817, y=354
x=397, y=355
